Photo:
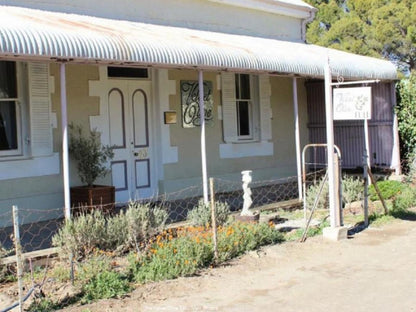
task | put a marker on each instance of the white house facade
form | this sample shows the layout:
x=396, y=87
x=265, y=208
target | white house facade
x=128, y=68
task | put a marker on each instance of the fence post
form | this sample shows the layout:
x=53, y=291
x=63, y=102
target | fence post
x=365, y=176
x=213, y=219
x=19, y=260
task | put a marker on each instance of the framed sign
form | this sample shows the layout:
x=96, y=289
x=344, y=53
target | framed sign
x=352, y=103
x=190, y=103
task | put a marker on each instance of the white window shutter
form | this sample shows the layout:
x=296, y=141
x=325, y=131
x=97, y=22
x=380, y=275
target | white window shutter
x=265, y=109
x=229, y=110
x=40, y=123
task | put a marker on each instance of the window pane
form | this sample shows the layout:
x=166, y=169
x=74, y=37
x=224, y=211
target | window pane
x=8, y=85
x=127, y=72
x=237, y=86
x=8, y=126
x=245, y=87
x=243, y=118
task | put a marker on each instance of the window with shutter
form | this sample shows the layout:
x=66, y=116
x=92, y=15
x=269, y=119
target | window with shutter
x=25, y=125
x=246, y=115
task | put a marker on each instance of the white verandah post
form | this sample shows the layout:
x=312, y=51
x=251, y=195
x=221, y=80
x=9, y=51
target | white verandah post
x=333, y=209
x=203, y=144
x=65, y=158
x=297, y=137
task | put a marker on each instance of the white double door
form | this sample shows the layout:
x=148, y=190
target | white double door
x=129, y=104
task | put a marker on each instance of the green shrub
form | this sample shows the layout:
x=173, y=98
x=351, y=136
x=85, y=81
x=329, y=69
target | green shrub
x=236, y=239
x=388, y=189
x=5, y=272
x=201, y=214
x=85, y=233
x=352, y=189
x=43, y=305
x=405, y=200
x=80, y=235
x=95, y=265
x=105, y=285
x=143, y=221
x=312, y=192
x=190, y=249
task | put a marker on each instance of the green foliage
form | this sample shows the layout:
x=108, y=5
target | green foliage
x=312, y=231
x=313, y=191
x=406, y=115
x=373, y=28
x=201, y=214
x=90, y=155
x=405, y=200
x=352, y=189
x=191, y=248
x=105, y=285
x=388, y=189
x=142, y=222
x=43, y=305
x=5, y=273
x=95, y=265
x=236, y=239
x=81, y=235
x=85, y=233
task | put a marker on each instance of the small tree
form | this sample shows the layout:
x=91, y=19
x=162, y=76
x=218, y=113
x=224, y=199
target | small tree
x=90, y=155
x=406, y=115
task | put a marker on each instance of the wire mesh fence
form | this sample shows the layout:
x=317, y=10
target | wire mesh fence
x=38, y=227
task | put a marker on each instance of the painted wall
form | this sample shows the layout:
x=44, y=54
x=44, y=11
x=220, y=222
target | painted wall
x=187, y=171
x=199, y=14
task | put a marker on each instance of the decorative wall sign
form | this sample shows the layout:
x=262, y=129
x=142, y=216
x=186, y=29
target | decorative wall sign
x=190, y=103
x=352, y=103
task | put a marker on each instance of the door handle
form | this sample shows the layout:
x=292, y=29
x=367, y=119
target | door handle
x=136, y=154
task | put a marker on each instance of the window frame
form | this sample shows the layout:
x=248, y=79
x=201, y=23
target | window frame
x=253, y=109
x=19, y=115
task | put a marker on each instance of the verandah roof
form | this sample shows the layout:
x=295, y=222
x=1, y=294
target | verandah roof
x=43, y=35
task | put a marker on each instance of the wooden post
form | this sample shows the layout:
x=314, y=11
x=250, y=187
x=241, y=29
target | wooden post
x=19, y=260
x=365, y=190
x=213, y=219
x=377, y=191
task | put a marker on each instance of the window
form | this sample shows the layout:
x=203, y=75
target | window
x=127, y=72
x=246, y=115
x=10, y=115
x=244, y=106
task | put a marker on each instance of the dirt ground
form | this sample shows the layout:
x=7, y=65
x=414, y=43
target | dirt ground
x=375, y=270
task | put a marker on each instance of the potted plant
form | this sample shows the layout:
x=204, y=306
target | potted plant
x=91, y=158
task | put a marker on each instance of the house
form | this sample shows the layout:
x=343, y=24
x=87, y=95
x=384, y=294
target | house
x=128, y=69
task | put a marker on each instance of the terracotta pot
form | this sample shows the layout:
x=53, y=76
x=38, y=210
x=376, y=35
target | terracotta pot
x=85, y=198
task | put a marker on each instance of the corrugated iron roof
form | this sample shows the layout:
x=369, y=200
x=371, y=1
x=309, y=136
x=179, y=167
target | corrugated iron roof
x=43, y=35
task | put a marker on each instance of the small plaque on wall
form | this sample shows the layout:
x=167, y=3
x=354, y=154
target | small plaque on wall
x=170, y=118
x=190, y=103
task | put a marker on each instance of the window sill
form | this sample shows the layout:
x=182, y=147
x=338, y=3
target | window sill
x=246, y=149
x=17, y=168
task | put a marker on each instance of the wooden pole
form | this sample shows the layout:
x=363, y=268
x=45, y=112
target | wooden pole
x=377, y=191
x=19, y=260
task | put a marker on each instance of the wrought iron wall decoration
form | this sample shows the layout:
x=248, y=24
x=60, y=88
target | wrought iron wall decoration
x=190, y=103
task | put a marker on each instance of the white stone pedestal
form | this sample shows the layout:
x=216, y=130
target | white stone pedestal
x=335, y=234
